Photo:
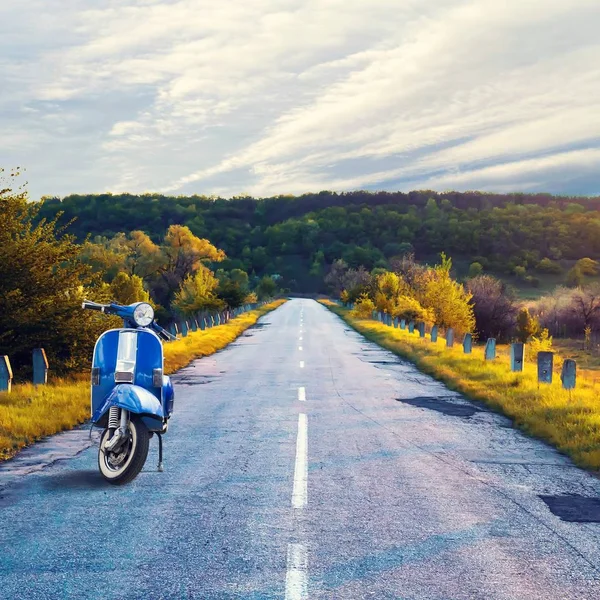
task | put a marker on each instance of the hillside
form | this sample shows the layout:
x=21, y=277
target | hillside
x=298, y=237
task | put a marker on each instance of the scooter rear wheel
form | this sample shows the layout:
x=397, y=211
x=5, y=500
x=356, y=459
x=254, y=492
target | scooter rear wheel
x=123, y=466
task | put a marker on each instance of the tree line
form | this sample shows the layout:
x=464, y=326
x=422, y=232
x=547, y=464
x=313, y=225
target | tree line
x=46, y=273
x=298, y=238
x=188, y=254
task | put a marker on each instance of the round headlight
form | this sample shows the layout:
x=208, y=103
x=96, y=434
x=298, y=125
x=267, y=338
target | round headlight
x=143, y=314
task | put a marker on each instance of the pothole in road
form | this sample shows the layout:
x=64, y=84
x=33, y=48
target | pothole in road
x=442, y=405
x=574, y=508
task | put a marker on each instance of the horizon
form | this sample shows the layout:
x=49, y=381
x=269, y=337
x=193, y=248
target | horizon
x=193, y=194
x=185, y=97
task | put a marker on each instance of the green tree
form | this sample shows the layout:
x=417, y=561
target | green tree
x=527, y=325
x=143, y=255
x=587, y=266
x=574, y=277
x=520, y=272
x=103, y=256
x=266, y=288
x=182, y=255
x=448, y=299
x=475, y=269
x=42, y=285
x=549, y=266
x=197, y=292
x=232, y=293
x=127, y=289
x=240, y=278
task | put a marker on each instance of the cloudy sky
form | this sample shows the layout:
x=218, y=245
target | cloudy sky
x=286, y=96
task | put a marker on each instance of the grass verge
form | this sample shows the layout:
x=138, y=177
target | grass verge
x=30, y=413
x=572, y=425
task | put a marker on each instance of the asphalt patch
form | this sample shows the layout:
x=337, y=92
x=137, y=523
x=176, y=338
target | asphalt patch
x=441, y=405
x=574, y=508
x=382, y=362
x=82, y=480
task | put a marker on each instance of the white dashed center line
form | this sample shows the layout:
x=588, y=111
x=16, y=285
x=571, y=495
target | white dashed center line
x=300, y=348
x=302, y=364
x=296, y=579
x=299, y=493
x=301, y=394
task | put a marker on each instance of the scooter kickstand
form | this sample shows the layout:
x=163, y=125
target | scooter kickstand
x=160, y=454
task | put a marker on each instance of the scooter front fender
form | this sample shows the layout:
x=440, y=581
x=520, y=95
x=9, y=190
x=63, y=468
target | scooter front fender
x=133, y=398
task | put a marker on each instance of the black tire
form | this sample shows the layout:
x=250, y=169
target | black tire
x=135, y=458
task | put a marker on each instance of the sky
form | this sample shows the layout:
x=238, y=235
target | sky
x=267, y=97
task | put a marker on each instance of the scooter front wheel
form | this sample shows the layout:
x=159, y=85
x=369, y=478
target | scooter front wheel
x=123, y=465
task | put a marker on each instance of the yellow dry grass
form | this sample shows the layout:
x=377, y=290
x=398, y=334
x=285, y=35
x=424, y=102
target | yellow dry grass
x=30, y=413
x=571, y=424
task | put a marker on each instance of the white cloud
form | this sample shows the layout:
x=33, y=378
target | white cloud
x=276, y=96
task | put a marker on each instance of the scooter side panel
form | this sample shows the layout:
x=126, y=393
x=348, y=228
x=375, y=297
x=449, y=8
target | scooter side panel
x=105, y=359
x=149, y=357
x=133, y=398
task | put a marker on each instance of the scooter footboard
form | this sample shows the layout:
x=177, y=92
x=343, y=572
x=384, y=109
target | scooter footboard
x=133, y=398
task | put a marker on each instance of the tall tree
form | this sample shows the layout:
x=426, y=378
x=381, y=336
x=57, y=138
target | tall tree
x=182, y=255
x=197, y=292
x=42, y=285
x=494, y=307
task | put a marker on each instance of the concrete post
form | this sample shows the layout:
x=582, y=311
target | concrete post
x=490, y=349
x=40, y=367
x=517, y=356
x=568, y=375
x=468, y=343
x=545, y=364
x=6, y=374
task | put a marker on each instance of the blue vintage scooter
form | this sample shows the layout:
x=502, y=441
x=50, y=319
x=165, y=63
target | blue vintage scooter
x=132, y=399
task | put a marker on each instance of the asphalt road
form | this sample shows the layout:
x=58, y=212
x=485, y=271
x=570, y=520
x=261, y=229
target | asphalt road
x=305, y=462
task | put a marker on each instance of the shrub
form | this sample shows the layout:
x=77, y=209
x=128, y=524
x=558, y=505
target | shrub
x=520, y=272
x=475, y=269
x=587, y=266
x=364, y=307
x=549, y=266
x=527, y=326
x=540, y=343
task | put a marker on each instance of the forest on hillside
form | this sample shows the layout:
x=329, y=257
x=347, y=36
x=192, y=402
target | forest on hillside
x=297, y=239
x=383, y=251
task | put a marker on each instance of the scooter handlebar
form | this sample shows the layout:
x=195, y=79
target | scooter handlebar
x=124, y=312
x=93, y=306
x=163, y=332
